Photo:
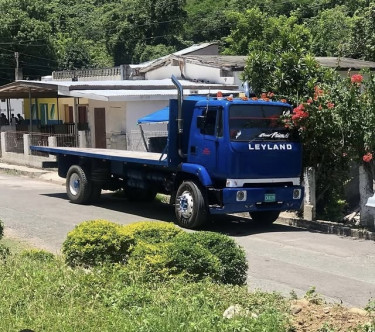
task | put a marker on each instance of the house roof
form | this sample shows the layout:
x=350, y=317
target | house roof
x=185, y=51
x=345, y=63
x=109, y=90
x=237, y=63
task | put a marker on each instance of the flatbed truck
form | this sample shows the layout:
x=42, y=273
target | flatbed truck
x=223, y=155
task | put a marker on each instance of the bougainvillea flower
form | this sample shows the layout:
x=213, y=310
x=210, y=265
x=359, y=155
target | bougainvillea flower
x=309, y=101
x=367, y=157
x=330, y=105
x=357, y=78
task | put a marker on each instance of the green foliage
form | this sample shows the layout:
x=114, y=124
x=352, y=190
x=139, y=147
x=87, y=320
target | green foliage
x=330, y=31
x=4, y=252
x=187, y=257
x=232, y=257
x=179, y=258
x=134, y=23
x=1, y=229
x=206, y=20
x=95, y=242
x=149, y=52
x=38, y=254
x=152, y=231
x=53, y=297
x=335, y=126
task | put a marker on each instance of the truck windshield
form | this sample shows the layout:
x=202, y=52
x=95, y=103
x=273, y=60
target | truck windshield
x=257, y=122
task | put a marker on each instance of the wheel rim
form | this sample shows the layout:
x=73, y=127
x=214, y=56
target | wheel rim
x=74, y=184
x=186, y=205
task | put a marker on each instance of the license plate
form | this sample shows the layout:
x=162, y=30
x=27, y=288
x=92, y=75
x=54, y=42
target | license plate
x=269, y=197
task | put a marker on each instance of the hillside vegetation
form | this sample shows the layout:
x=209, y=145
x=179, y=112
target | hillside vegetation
x=64, y=34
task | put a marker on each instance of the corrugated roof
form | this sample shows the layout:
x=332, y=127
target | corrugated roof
x=109, y=90
x=345, y=63
x=184, y=51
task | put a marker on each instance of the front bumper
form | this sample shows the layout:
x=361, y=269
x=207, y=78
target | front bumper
x=233, y=200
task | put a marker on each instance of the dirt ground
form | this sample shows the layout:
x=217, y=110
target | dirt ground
x=314, y=315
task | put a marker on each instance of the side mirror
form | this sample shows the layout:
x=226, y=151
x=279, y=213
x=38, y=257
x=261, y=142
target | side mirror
x=201, y=121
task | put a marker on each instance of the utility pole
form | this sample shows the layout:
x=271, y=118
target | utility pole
x=18, y=75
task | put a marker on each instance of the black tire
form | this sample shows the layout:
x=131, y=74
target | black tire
x=78, y=187
x=264, y=217
x=190, y=206
x=139, y=195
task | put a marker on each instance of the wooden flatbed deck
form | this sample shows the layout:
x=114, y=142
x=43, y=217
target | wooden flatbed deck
x=150, y=158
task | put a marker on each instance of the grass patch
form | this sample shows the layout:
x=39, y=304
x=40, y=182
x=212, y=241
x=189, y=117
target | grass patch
x=49, y=296
x=15, y=245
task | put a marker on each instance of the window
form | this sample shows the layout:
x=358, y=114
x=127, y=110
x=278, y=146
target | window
x=213, y=122
x=261, y=122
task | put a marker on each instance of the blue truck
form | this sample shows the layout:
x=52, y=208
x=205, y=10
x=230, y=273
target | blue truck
x=223, y=155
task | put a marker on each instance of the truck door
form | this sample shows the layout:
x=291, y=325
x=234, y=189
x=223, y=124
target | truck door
x=207, y=140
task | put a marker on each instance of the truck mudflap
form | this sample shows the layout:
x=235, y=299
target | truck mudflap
x=259, y=199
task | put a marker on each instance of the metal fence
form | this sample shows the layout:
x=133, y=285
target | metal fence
x=15, y=142
x=135, y=141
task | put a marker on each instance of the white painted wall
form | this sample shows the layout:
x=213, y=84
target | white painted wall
x=16, y=106
x=193, y=72
x=136, y=110
x=163, y=72
x=121, y=117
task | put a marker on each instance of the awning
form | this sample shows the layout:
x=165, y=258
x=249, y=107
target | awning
x=156, y=117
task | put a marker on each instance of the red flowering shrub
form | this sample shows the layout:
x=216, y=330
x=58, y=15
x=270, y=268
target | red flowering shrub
x=357, y=78
x=367, y=157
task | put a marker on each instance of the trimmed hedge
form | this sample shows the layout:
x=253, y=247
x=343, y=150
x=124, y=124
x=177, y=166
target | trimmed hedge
x=95, y=242
x=157, y=250
x=153, y=231
x=232, y=257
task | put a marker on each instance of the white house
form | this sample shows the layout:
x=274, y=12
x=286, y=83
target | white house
x=111, y=108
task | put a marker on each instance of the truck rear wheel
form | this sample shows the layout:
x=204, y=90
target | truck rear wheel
x=78, y=187
x=190, y=206
x=264, y=217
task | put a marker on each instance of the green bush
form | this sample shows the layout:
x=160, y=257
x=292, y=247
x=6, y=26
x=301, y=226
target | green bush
x=95, y=242
x=4, y=251
x=181, y=258
x=185, y=256
x=1, y=229
x=37, y=254
x=152, y=231
x=232, y=257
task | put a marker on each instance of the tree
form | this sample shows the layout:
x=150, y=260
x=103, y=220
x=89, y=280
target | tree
x=206, y=20
x=362, y=38
x=22, y=31
x=142, y=22
x=330, y=31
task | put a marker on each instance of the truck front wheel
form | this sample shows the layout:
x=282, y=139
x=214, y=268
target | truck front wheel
x=264, y=217
x=190, y=206
x=78, y=187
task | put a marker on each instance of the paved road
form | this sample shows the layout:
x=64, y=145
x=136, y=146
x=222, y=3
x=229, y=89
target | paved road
x=281, y=258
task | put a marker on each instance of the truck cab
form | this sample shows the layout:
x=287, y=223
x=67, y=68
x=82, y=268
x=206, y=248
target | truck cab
x=245, y=158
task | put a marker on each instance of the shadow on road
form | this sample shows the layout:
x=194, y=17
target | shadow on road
x=232, y=225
